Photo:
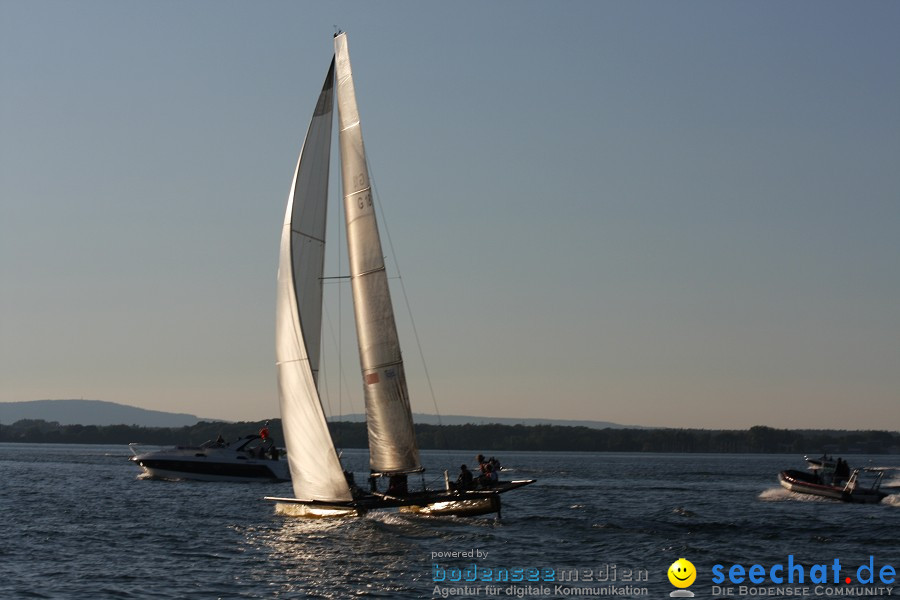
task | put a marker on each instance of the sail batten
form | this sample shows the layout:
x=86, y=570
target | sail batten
x=308, y=236
x=392, y=441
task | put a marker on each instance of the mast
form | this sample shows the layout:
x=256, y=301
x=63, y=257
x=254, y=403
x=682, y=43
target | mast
x=316, y=472
x=392, y=440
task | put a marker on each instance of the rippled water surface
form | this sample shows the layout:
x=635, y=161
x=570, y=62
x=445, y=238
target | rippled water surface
x=78, y=522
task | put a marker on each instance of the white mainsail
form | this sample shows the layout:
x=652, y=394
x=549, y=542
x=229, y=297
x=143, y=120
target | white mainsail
x=315, y=468
x=392, y=440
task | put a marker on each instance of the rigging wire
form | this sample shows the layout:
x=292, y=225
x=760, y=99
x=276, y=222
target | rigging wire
x=340, y=281
x=341, y=374
x=338, y=223
x=338, y=343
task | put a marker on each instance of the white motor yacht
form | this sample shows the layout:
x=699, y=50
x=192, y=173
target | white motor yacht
x=251, y=458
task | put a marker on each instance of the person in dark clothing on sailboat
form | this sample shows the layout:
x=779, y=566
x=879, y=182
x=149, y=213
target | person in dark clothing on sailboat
x=397, y=485
x=464, y=481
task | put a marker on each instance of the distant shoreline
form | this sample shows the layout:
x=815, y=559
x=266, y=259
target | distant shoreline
x=489, y=438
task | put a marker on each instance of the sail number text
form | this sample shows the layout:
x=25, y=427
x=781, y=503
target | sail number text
x=364, y=200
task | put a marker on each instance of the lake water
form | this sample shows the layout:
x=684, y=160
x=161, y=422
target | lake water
x=78, y=522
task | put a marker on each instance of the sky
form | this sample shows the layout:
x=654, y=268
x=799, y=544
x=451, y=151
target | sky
x=666, y=214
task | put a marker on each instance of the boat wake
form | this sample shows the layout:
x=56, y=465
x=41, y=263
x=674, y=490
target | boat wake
x=782, y=495
x=892, y=500
x=779, y=494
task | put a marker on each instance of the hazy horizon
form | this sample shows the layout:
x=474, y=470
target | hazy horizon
x=110, y=413
x=665, y=214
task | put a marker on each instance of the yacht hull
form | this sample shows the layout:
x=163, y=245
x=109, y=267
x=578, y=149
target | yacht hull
x=209, y=471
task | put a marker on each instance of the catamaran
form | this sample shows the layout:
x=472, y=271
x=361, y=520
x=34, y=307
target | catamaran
x=321, y=486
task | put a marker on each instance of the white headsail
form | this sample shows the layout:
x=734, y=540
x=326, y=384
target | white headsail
x=392, y=440
x=315, y=469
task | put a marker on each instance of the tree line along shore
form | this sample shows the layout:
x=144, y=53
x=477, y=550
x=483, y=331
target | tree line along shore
x=488, y=438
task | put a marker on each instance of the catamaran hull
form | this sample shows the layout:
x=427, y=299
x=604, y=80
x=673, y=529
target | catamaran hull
x=458, y=508
x=468, y=503
x=289, y=507
x=305, y=510
x=804, y=483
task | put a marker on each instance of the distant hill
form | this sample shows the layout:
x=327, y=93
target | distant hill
x=424, y=419
x=99, y=412
x=91, y=412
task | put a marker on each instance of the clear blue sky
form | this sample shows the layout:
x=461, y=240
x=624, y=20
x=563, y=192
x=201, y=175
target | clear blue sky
x=672, y=214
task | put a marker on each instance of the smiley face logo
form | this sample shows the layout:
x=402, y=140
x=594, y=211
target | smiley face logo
x=682, y=573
